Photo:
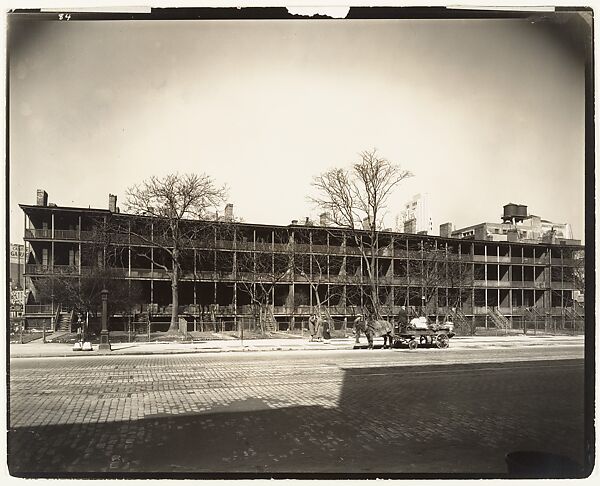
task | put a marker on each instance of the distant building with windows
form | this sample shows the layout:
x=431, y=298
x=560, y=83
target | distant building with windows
x=416, y=215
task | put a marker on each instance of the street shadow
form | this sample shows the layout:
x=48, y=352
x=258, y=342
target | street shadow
x=449, y=421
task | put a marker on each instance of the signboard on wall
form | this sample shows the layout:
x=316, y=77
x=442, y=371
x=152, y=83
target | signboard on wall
x=16, y=253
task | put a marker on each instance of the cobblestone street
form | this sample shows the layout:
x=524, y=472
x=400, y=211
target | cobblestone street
x=432, y=411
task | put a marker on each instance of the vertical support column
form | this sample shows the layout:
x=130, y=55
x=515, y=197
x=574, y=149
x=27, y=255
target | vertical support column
x=129, y=249
x=328, y=251
x=25, y=253
x=195, y=297
x=52, y=245
x=422, y=262
x=273, y=254
x=485, y=277
x=79, y=244
x=214, y=272
x=104, y=247
x=151, y=267
x=391, y=275
x=310, y=271
x=152, y=276
x=292, y=291
x=24, y=268
x=151, y=293
x=471, y=255
x=510, y=283
x=362, y=299
x=407, y=265
x=235, y=311
x=562, y=287
x=327, y=262
x=253, y=265
x=510, y=299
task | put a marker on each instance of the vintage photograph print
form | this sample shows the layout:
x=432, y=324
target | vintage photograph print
x=256, y=243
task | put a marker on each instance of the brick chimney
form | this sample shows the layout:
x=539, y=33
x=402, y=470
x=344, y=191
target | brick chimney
x=446, y=230
x=42, y=198
x=229, y=212
x=324, y=219
x=112, y=203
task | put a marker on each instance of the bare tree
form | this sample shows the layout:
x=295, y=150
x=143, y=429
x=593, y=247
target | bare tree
x=83, y=294
x=175, y=210
x=438, y=270
x=356, y=199
x=315, y=274
x=257, y=273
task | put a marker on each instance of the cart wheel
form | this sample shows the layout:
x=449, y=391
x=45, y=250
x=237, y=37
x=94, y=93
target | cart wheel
x=442, y=341
x=413, y=344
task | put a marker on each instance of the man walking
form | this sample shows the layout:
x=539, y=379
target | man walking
x=314, y=326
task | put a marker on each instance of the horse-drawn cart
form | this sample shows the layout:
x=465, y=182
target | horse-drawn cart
x=414, y=334
x=413, y=338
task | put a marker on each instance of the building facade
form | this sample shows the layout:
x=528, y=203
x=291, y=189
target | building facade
x=17, y=267
x=300, y=266
x=416, y=215
x=518, y=225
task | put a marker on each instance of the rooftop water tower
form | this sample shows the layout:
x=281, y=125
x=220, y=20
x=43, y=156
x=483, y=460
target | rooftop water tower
x=514, y=213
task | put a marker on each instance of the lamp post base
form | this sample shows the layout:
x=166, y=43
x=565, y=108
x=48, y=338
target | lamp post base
x=104, y=342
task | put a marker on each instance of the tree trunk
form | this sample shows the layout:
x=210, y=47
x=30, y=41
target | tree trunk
x=174, y=327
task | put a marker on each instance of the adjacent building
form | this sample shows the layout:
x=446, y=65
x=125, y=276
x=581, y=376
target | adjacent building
x=518, y=225
x=485, y=281
x=17, y=267
x=416, y=215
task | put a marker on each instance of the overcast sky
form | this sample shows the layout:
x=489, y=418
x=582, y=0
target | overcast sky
x=483, y=112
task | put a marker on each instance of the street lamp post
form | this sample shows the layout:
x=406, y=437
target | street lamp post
x=104, y=342
x=52, y=320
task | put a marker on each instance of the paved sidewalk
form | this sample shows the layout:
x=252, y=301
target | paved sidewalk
x=39, y=349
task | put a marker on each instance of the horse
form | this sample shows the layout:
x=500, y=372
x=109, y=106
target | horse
x=375, y=328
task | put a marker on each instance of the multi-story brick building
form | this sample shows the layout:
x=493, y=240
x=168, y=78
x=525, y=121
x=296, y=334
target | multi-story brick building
x=502, y=283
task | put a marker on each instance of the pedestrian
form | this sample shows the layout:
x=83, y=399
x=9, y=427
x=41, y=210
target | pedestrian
x=326, y=329
x=312, y=324
x=318, y=327
x=358, y=319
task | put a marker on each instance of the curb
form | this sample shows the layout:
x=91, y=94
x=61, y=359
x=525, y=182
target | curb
x=249, y=349
x=95, y=352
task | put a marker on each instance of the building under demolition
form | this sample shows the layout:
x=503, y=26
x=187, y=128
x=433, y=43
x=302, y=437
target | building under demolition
x=293, y=270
